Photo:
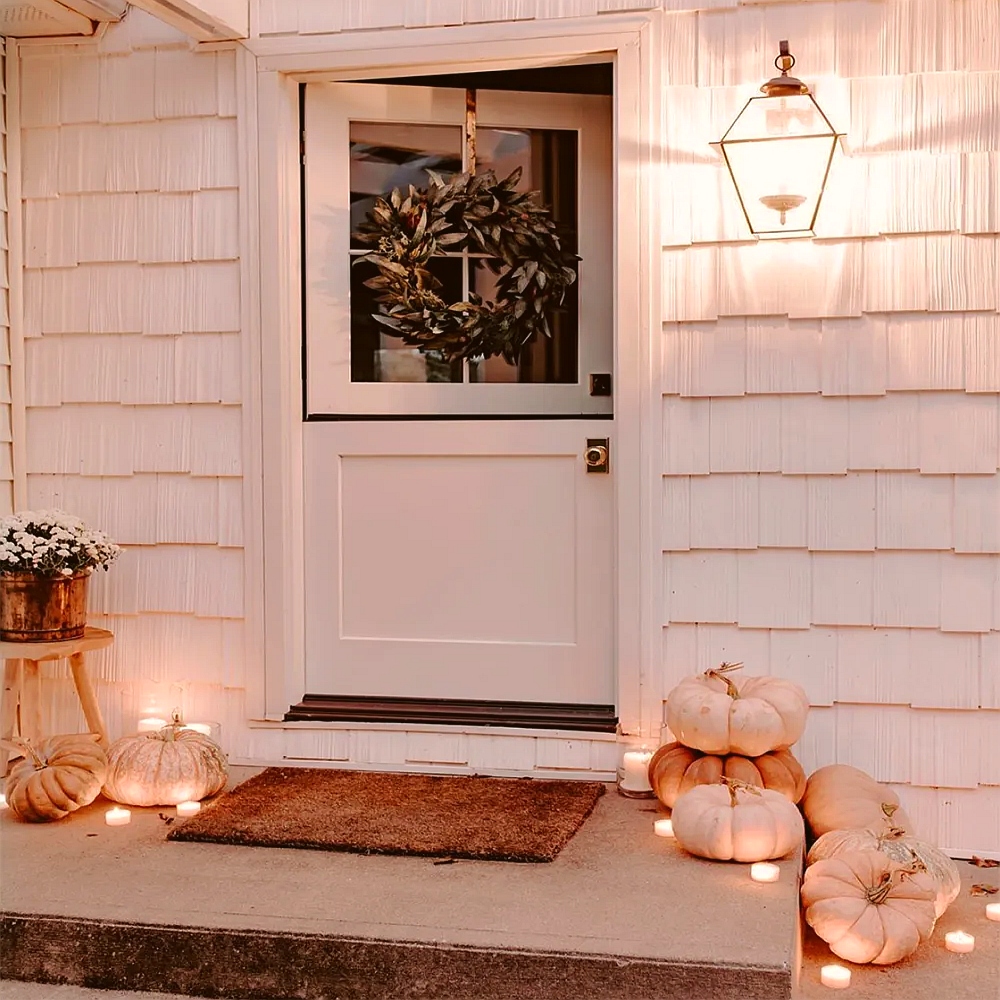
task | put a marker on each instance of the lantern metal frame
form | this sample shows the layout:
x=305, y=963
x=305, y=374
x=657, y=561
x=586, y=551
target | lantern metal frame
x=782, y=86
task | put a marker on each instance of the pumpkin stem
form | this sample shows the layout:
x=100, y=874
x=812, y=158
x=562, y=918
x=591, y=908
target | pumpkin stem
x=720, y=672
x=24, y=746
x=876, y=894
x=735, y=785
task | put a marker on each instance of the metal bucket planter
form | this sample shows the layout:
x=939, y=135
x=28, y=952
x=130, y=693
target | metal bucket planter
x=42, y=608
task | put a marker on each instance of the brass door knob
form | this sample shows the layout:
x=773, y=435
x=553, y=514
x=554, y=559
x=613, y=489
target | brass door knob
x=596, y=455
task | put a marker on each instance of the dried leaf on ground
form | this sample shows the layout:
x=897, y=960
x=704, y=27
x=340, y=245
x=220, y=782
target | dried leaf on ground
x=981, y=889
x=984, y=862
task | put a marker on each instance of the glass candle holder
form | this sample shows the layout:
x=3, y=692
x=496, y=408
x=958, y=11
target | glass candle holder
x=633, y=773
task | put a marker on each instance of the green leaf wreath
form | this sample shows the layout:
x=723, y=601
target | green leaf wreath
x=486, y=216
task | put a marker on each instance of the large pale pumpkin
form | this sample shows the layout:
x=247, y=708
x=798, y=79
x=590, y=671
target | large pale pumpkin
x=733, y=821
x=718, y=714
x=841, y=797
x=164, y=768
x=867, y=907
x=675, y=768
x=58, y=777
x=897, y=846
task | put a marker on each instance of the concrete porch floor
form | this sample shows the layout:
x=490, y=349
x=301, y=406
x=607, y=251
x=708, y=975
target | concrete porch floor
x=620, y=913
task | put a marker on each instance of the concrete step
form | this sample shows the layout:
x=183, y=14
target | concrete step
x=620, y=913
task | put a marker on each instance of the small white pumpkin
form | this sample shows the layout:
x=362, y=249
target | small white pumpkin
x=166, y=767
x=896, y=845
x=750, y=716
x=734, y=821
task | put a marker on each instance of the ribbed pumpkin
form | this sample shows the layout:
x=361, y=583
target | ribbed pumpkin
x=733, y=821
x=841, y=797
x=750, y=716
x=675, y=768
x=164, y=768
x=58, y=777
x=868, y=908
x=896, y=845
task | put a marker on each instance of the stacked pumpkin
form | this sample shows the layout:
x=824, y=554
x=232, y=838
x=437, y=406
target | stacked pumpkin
x=871, y=890
x=730, y=778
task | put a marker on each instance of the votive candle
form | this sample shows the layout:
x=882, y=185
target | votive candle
x=764, y=871
x=959, y=941
x=663, y=827
x=188, y=808
x=199, y=727
x=3, y=801
x=636, y=771
x=118, y=816
x=151, y=725
x=835, y=976
x=993, y=911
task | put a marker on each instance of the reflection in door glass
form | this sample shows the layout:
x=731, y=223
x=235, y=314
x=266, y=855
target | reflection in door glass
x=548, y=159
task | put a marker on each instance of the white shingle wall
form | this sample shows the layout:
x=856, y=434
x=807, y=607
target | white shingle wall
x=831, y=410
x=132, y=357
x=6, y=436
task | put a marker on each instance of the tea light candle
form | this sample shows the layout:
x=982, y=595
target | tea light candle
x=835, y=976
x=636, y=767
x=188, y=808
x=663, y=827
x=3, y=805
x=199, y=727
x=764, y=871
x=992, y=909
x=118, y=817
x=959, y=941
x=151, y=725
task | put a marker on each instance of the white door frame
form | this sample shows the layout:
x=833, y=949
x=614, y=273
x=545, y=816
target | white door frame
x=269, y=123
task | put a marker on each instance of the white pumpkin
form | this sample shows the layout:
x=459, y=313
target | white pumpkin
x=164, y=768
x=867, y=908
x=750, y=716
x=734, y=821
x=841, y=797
x=896, y=845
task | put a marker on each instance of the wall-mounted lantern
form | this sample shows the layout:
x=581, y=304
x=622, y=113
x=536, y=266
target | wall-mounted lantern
x=779, y=151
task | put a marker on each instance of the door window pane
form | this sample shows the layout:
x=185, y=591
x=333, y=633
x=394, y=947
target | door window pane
x=548, y=159
x=384, y=156
x=377, y=356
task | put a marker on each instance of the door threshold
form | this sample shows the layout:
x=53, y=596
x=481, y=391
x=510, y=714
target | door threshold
x=454, y=712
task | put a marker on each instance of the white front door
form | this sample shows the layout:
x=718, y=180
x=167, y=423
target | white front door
x=456, y=545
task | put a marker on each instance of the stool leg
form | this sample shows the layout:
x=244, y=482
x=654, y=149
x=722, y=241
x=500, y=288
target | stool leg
x=31, y=700
x=8, y=707
x=88, y=698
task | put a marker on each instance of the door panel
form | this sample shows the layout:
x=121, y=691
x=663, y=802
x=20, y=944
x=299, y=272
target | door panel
x=437, y=570
x=426, y=134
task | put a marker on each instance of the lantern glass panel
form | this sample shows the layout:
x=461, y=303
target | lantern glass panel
x=779, y=118
x=780, y=182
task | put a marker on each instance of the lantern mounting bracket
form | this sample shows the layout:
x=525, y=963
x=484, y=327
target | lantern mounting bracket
x=784, y=85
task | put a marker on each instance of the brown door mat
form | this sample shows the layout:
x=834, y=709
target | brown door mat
x=373, y=812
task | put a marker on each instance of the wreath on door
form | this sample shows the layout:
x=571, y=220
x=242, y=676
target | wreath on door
x=485, y=216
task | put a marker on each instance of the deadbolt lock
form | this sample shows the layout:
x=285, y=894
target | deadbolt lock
x=596, y=455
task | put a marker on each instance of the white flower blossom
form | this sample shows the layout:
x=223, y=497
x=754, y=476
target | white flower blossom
x=53, y=543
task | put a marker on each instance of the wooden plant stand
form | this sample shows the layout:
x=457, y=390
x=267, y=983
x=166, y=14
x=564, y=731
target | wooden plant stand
x=21, y=685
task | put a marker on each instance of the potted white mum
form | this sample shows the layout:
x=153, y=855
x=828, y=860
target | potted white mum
x=46, y=558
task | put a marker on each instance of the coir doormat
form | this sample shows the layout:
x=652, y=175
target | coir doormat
x=495, y=819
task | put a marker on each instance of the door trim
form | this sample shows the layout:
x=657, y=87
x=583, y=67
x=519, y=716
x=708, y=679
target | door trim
x=273, y=407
